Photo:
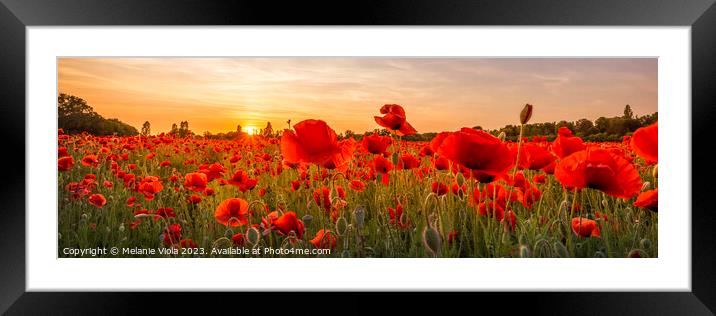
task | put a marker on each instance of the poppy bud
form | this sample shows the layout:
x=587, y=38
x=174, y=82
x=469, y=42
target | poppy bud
x=526, y=113
x=307, y=219
x=563, y=208
x=523, y=239
x=635, y=253
x=359, y=216
x=341, y=226
x=645, y=186
x=395, y=158
x=524, y=252
x=605, y=204
x=432, y=240
x=560, y=249
x=502, y=136
x=599, y=254
x=645, y=243
x=253, y=236
x=121, y=227
x=460, y=179
x=655, y=171
x=228, y=234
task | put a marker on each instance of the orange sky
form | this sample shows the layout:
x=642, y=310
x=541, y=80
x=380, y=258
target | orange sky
x=216, y=94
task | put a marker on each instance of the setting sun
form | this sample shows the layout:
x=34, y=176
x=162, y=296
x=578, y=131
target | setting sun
x=251, y=130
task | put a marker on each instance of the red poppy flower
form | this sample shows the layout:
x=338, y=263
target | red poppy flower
x=164, y=212
x=408, y=161
x=194, y=199
x=131, y=200
x=394, y=119
x=383, y=166
x=599, y=169
x=209, y=192
x=439, y=188
x=357, y=186
x=535, y=157
x=195, y=181
x=315, y=142
x=376, y=144
x=288, y=222
x=324, y=239
x=150, y=186
x=238, y=239
x=165, y=163
x=172, y=234
x=645, y=142
x=187, y=243
x=214, y=171
x=90, y=161
x=322, y=197
x=648, y=199
x=584, y=227
x=397, y=218
x=241, y=180
x=477, y=150
x=441, y=163
x=65, y=163
x=565, y=144
x=232, y=212
x=97, y=200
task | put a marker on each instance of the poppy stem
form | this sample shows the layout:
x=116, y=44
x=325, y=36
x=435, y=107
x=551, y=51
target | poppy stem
x=514, y=172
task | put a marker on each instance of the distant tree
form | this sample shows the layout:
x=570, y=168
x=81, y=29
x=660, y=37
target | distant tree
x=184, y=129
x=601, y=124
x=74, y=115
x=175, y=129
x=583, y=127
x=146, y=129
x=628, y=113
x=268, y=130
x=238, y=129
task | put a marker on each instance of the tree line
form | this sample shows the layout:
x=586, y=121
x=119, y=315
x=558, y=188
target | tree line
x=75, y=116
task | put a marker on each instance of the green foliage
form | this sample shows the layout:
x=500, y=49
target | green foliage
x=602, y=129
x=75, y=116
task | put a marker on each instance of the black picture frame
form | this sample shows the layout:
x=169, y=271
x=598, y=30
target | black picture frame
x=700, y=15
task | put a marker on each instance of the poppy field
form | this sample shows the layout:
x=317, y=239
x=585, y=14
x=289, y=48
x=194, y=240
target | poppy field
x=310, y=193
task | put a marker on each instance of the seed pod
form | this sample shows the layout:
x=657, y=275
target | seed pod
x=359, y=216
x=645, y=243
x=432, y=240
x=560, y=249
x=341, y=226
x=645, y=186
x=253, y=236
x=526, y=113
x=121, y=228
x=605, y=204
x=655, y=171
x=599, y=254
x=307, y=219
x=524, y=252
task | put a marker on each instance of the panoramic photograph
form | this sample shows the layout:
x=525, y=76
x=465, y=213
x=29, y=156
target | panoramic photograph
x=357, y=157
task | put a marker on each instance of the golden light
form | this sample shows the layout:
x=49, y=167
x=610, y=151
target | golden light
x=251, y=130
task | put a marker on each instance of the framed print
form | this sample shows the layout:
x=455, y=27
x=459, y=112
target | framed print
x=424, y=147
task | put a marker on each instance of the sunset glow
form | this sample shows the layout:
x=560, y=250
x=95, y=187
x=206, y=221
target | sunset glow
x=217, y=94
